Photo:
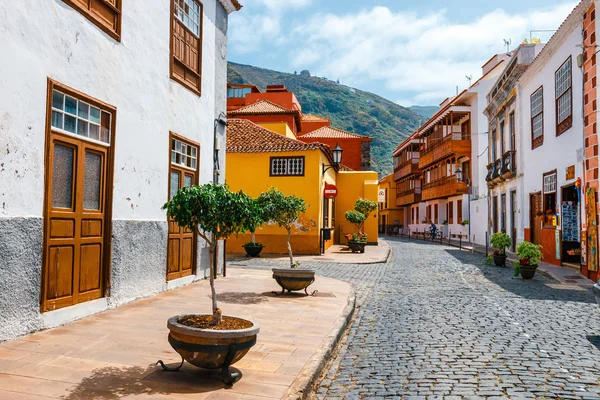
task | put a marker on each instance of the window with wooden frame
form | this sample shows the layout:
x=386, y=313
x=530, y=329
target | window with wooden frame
x=511, y=127
x=105, y=14
x=459, y=218
x=287, y=166
x=537, y=118
x=549, y=194
x=186, y=44
x=450, y=212
x=564, y=97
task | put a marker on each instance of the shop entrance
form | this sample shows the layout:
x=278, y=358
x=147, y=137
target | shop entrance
x=571, y=226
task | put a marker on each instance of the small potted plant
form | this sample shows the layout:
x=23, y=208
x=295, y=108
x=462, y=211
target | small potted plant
x=212, y=341
x=359, y=241
x=500, y=241
x=465, y=222
x=253, y=248
x=285, y=211
x=529, y=255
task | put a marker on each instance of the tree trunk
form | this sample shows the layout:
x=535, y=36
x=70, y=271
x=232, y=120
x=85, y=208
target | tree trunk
x=253, y=237
x=289, y=246
x=213, y=267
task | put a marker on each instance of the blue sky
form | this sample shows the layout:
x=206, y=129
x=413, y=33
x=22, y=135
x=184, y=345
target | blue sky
x=411, y=52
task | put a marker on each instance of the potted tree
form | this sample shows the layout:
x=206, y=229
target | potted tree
x=500, y=241
x=359, y=241
x=529, y=255
x=253, y=248
x=285, y=212
x=365, y=207
x=212, y=341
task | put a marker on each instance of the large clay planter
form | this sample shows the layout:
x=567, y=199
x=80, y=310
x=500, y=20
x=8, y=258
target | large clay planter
x=357, y=247
x=527, y=271
x=596, y=290
x=253, y=251
x=500, y=260
x=211, y=349
x=292, y=279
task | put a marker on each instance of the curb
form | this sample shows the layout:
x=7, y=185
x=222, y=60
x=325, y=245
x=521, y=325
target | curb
x=308, y=377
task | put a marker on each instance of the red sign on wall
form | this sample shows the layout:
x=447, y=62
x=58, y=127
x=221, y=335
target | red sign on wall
x=330, y=191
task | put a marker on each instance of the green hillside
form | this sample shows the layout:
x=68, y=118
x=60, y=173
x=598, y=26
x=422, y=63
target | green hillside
x=349, y=109
x=424, y=111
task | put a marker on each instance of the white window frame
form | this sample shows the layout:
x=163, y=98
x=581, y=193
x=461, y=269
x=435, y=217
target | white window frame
x=80, y=118
x=188, y=12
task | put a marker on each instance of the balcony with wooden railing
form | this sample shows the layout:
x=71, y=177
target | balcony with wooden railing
x=407, y=197
x=456, y=144
x=442, y=188
x=407, y=168
x=509, y=168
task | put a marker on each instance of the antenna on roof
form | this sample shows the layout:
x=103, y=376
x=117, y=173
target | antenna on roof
x=507, y=43
x=469, y=79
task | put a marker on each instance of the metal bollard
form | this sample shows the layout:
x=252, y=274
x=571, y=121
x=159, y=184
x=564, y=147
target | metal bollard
x=460, y=242
x=486, y=245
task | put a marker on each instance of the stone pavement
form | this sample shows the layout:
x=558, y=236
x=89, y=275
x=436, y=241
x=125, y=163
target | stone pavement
x=435, y=322
x=335, y=254
x=112, y=355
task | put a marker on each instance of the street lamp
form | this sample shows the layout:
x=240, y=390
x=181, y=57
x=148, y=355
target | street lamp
x=337, y=158
x=458, y=174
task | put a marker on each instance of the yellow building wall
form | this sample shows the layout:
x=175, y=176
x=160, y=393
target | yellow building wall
x=250, y=172
x=351, y=186
x=389, y=209
x=279, y=127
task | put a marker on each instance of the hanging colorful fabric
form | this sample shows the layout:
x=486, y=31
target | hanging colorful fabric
x=592, y=232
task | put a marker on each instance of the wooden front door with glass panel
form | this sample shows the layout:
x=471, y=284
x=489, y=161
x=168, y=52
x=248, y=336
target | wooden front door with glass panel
x=181, y=248
x=77, y=197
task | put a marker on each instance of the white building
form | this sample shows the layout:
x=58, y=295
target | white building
x=551, y=127
x=505, y=163
x=106, y=111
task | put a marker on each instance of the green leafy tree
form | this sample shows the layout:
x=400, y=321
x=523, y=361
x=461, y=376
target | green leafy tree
x=500, y=241
x=357, y=219
x=282, y=210
x=257, y=219
x=365, y=207
x=214, y=213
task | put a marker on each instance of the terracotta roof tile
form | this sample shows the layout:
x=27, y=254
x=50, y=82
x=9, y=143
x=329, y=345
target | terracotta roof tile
x=244, y=136
x=345, y=168
x=328, y=132
x=312, y=117
x=264, y=107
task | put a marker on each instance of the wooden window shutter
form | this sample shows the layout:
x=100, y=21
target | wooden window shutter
x=106, y=14
x=186, y=53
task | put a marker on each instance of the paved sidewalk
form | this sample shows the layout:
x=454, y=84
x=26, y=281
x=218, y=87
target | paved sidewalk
x=335, y=254
x=112, y=355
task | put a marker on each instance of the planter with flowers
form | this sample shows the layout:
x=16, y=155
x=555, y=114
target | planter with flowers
x=500, y=241
x=529, y=256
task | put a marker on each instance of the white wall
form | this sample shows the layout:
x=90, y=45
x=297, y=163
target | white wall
x=479, y=218
x=49, y=39
x=556, y=152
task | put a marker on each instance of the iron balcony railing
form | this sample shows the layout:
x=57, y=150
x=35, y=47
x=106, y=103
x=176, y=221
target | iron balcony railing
x=508, y=162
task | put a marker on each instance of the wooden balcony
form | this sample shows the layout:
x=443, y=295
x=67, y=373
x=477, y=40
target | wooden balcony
x=407, y=168
x=455, y=144
x=444, y=188
x=408, y=197
x=509, y=168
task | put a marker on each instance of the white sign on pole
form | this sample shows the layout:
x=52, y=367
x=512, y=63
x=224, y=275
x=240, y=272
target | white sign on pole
x=381, y=195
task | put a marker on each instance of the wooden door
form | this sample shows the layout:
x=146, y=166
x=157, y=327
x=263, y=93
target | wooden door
x=181, y=247
x=535, y=210
x=75, y=222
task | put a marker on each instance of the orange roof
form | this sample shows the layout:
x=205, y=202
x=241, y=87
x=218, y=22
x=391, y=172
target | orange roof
x=312, y=117
x=264, y=107
x=345, y=168
x=237, y=5
x=244, y=136
x=328, y=132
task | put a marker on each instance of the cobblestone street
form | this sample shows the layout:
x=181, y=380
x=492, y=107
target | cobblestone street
x=434, y=322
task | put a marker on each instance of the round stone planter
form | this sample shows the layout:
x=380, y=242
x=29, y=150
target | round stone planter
x=357, y=247
x=527, y=271
x=500, y=260
x=292, y=279
x=596, y=290
x=253, y=251
x=211, y=349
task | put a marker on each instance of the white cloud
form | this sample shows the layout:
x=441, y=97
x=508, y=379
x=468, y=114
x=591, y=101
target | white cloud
x=260, y=22
x=424, y=57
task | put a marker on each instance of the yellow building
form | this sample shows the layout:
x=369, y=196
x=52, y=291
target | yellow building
x=259, y=158
x=391, y=218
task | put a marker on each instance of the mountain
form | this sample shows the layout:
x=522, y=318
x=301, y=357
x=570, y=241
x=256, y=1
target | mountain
x=424, y=111
x=349, y=109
